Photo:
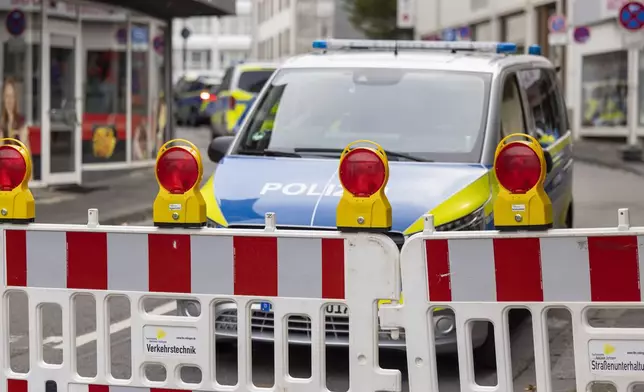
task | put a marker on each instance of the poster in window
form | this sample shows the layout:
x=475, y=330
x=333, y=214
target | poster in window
x=13, y=123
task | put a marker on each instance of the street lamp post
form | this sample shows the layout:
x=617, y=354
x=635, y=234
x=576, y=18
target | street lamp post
x=185, y=34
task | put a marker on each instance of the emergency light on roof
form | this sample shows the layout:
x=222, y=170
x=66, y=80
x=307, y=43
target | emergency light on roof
x=534, y=50
x=339, y=44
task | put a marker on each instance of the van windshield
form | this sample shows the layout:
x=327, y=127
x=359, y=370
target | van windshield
x=434, y=115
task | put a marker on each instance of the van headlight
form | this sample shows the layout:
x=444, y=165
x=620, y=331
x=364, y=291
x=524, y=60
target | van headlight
x=472, y=222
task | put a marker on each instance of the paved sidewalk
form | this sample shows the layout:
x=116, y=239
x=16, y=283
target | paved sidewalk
x=605, y=152
x=125, y=196
x=118, y=199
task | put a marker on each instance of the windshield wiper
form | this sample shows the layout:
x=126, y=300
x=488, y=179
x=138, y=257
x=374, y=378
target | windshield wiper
x=270, y=153
x=389, y=153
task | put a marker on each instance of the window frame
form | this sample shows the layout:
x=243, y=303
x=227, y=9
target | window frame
x=513, y=77
x=557, y=116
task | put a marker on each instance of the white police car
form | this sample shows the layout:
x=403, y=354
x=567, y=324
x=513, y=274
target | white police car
x=439, y=109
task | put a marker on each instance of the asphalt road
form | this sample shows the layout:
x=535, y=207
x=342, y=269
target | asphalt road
x=599, y=192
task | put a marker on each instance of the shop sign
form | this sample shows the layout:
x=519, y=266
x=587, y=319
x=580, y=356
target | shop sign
x=139, y=35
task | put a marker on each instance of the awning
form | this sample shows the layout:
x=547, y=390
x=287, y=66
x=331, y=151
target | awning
x=169, y=9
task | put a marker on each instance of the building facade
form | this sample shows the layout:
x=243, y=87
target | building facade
x=524, y=22
x=285, y=28
x=214, y=43
x=607, y=73
x=84, y=83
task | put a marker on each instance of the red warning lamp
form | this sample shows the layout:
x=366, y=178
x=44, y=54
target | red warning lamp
x=177, y=170
x=13, y=168
x=16, y=200
x=518, y=168
x=362, y=172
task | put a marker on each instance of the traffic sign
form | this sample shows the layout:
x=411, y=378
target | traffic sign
x=405, y=12
x=581, y=34
x=185, y=33
x=16, y=22
x=557, y=24
x=449, y=35
x=158, y=44
x=465, y=33
x=631, y=16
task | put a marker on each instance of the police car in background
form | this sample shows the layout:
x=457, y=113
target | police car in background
x=193, y=96
x=439, y=110
x=239, y=86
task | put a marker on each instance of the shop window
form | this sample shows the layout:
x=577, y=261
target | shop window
x=140, y=122
x=104, y=126
x=512, y=117
x=543, y=103
x=159, y=113
x=604, y=89
x=20, y=97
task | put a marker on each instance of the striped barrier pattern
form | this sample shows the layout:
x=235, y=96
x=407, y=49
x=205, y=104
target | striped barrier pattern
x=177, y=263
x=482, y=275
x=297, y=272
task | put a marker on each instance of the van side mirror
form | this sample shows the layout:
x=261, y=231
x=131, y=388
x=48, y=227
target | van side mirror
x=219, y=147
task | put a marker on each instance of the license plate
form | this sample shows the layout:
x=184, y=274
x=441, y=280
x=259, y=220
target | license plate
x=336, y=309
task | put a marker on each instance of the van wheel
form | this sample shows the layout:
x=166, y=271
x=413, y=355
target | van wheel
x=485, y=355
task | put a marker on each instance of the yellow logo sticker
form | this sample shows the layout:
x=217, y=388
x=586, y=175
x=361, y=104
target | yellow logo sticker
x=608, y=349
x=104, y=142
x=160, y=334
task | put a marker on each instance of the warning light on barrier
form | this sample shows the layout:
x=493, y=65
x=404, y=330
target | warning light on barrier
x=363, y=173
x=179, y=170
x=17, y=203
x=522, y=202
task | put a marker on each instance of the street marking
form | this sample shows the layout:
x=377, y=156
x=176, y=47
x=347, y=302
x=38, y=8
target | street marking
x=114, y=328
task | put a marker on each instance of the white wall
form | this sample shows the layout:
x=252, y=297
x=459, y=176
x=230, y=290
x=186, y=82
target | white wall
x=276, y=24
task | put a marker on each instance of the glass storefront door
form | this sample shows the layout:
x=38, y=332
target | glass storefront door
x=64, y=106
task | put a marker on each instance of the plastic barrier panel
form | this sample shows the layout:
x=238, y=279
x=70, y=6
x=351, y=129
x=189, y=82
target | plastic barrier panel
x=297, y=272
x=481, y=275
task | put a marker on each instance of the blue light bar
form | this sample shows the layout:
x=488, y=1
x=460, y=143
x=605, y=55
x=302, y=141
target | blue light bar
x=534, y=50
x=319, y=44
x=348, y=44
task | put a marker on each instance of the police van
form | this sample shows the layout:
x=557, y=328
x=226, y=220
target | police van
x=239, y=86
x=439, y=109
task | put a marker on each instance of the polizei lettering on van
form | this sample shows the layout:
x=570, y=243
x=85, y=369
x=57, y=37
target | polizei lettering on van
x=303, y=189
